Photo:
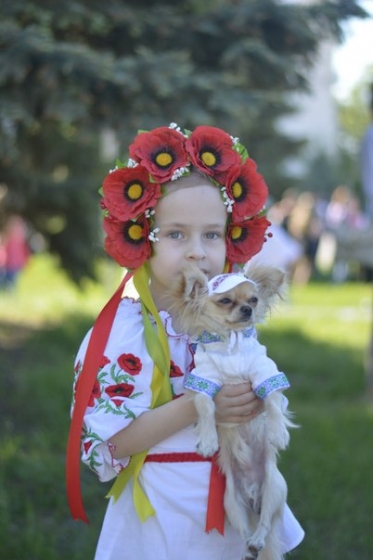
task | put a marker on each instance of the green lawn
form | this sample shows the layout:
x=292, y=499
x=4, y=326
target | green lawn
x=318, y=336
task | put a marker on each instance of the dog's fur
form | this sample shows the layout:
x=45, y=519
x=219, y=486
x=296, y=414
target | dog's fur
x=255, y=489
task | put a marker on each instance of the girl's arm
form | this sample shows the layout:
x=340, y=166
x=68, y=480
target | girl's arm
x=234, y=403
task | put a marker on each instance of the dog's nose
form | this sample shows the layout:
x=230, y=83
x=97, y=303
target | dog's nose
x=246, y=311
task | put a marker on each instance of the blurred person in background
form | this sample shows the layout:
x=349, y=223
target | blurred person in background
x=282, y=249
x=305, y=225
x=344, y=218
x=15, y=249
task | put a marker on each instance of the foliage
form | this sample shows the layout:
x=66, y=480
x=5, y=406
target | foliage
x=69, y=71
x=354, y=112
x=354, y=116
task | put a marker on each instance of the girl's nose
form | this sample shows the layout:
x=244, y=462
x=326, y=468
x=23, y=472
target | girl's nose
x=196, y=250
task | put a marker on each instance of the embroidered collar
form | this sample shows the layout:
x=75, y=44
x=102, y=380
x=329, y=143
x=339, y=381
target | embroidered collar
x=207, y=338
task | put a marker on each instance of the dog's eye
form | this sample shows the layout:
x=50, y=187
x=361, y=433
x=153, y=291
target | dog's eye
x=225, y=300
x=253, y=301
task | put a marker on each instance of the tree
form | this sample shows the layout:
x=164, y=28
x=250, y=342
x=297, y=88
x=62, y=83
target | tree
x=354, y=118
x=70, y=69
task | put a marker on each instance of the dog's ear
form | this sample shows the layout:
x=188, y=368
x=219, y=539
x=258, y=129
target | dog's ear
x=195, y=282
x=269, y=279
x=189, y=283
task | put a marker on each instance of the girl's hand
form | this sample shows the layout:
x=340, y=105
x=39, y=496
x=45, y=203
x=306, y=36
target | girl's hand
x=237, y=404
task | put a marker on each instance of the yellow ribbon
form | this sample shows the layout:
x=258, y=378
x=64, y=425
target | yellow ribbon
x=157, y=346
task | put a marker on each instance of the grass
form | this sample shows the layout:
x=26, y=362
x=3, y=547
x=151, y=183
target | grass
x=318, y=337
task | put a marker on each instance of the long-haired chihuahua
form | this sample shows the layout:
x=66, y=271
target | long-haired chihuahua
x=220, y=315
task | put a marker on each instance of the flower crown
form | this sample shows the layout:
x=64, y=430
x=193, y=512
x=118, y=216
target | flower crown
x=131, y=190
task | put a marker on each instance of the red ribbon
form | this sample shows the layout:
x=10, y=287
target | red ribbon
x=215, y=506
x=95, y=350
x=96, y=347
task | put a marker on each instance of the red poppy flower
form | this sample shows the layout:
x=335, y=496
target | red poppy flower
x=104, y=362
x=95, y=394
x=160, y=151
x=245, y=239
x=211, y=151
x=127, y=242
x=130, y=363
x=248, y=190
x=128, y=192
x=119, y=390
x=87, y=446
x=175, y=371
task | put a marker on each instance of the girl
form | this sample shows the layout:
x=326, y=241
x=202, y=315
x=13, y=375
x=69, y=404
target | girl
x=181, y=197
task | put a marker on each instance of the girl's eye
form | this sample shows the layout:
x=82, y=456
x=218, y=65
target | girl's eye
x=174, y=234
x=213, y=235
x=225, y=300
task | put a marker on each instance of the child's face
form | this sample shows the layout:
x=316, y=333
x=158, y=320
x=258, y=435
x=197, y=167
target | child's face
x=191, y=224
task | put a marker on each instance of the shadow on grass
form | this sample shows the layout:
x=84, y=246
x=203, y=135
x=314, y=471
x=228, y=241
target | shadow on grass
x=328, y=465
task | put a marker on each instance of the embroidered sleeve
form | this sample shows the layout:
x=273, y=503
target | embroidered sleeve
x=265, y=376
x=201, y=385
x=277, y=382
x=122, y=390
x=204, y=378
x=120, y=394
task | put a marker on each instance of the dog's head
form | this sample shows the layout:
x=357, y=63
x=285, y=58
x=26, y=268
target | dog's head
x=225, y=303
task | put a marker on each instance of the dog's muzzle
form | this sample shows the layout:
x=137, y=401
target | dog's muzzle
x=246, y=311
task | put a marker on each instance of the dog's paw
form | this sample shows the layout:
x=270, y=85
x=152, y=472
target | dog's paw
x=252, y=552
x=207, y=448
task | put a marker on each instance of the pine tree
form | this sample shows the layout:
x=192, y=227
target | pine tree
x=69, y=70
